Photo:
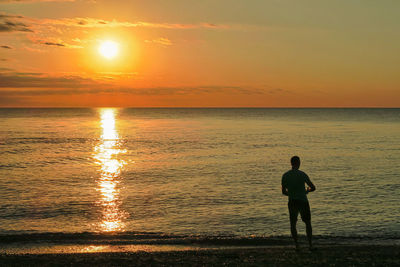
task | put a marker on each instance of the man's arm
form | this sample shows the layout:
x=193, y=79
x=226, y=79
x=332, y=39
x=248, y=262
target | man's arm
x=284, y=191
x=311, y=187
x=284, y=188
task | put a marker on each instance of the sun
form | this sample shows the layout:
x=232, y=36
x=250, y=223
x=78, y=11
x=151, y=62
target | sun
x=108, y=49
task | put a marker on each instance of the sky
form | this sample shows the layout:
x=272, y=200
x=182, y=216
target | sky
x=209, y=53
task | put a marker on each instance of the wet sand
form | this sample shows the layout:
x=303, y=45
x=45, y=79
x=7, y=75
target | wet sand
x=334, y=255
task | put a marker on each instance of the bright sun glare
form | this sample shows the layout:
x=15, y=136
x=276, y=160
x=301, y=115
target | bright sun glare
x=108, y=49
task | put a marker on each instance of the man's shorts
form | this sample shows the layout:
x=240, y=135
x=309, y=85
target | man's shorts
x=296, y=206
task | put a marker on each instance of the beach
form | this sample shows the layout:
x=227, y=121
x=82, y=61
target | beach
x=340, y=255
x=144, y=250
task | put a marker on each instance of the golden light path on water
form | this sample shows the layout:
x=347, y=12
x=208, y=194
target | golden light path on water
x=106, y=154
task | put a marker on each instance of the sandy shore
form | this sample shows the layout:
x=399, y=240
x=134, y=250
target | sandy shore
x=340, y=255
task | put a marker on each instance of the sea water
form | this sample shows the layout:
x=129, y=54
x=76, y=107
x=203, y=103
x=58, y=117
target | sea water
x=204, y=172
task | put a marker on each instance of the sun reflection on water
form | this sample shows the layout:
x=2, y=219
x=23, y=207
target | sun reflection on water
x=106, y=155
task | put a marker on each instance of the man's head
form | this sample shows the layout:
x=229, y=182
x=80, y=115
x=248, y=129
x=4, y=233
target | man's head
x=295, y=161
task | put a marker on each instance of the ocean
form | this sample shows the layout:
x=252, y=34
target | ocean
x=196, y=172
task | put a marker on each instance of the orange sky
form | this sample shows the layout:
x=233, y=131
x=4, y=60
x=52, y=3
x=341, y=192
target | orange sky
x=200, y=53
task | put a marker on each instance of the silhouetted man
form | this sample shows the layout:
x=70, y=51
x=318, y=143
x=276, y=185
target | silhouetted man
x=293, y=186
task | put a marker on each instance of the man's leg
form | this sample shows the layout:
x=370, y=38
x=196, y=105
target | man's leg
x=293, y=230
x=309, y=233
x=306, y=217
x=293, y=214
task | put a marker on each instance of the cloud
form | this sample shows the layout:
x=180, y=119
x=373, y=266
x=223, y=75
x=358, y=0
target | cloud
x=40, y=80
x=100, y=23
x=277, y=91
x=106, y=83
x=63, y=32
x=11, y=23
x=21, y=23
x=9, y=26
x=54, y=44
x=161, y=41
x=35, y=84
x=3, y=16
x=6, y=46
x=152, y=91
x=181, y=26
